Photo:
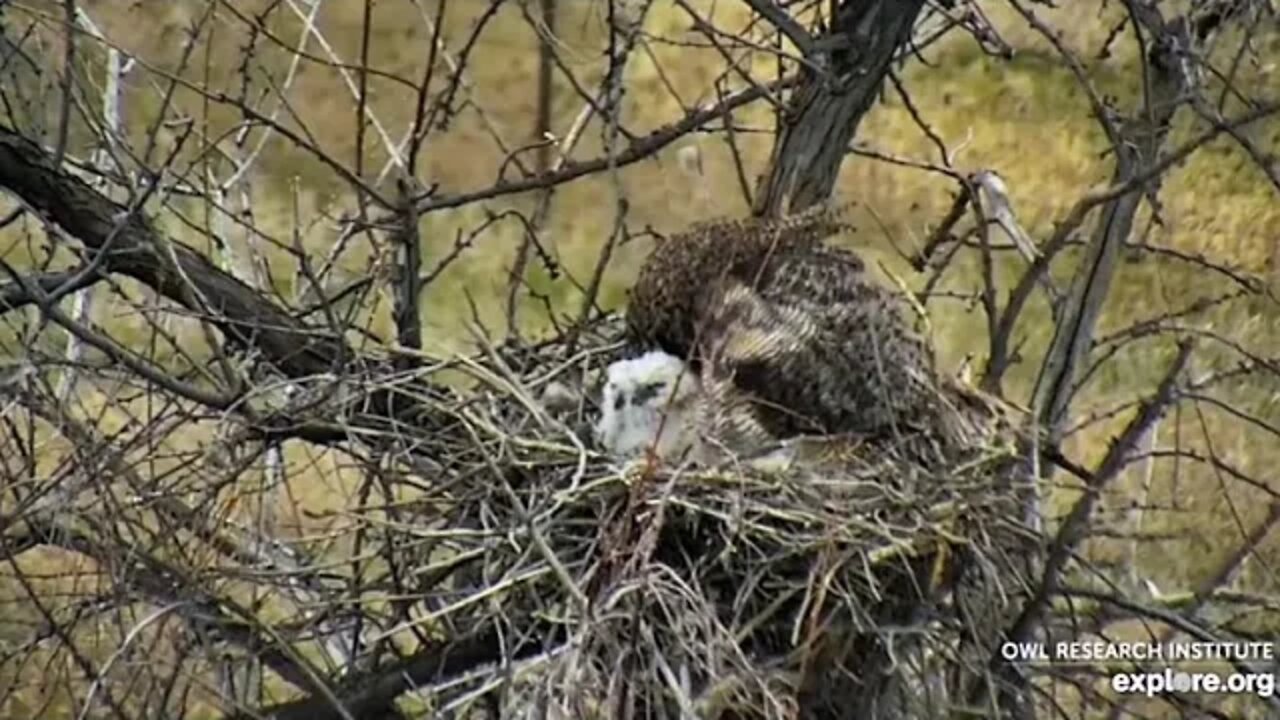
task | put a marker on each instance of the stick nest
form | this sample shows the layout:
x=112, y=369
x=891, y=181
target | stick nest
x=870, y=588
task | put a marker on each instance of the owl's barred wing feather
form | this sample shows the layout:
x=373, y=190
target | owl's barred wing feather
x=740, y=339
x=729, y=421
x=815, y=346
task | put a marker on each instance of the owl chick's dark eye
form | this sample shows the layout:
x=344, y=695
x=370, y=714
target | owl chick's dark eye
x=619, y=402
x=647, y=392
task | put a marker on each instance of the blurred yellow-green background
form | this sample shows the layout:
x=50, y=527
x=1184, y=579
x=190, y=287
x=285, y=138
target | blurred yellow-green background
x=1024, y=117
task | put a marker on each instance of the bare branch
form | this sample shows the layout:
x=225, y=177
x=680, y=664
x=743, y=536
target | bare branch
x=787, y=25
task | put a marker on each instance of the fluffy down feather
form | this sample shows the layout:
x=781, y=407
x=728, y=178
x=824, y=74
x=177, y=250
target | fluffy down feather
x=649, y=401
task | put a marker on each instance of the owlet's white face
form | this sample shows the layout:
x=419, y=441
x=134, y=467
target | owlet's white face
x=644, y=395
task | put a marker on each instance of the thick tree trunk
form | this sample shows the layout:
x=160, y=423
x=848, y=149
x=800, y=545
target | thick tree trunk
x=825, y=111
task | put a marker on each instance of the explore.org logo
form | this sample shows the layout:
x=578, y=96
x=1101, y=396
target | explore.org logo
x=1262, y=684
x=1167, y=680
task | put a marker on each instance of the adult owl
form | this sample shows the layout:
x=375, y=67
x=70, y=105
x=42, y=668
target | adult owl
x=775, y=334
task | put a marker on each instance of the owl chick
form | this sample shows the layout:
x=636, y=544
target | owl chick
x=649, y=401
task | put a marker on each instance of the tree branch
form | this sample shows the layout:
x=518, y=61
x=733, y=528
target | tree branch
x=1136, y=152
x=53, y=285
x=787, y=25
x=638, y=150
x=824, y=113
x=370, y=695
x=1075, y=525
x=171, y=269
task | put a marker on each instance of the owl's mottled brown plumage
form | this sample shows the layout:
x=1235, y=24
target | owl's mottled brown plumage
x=791, y=336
